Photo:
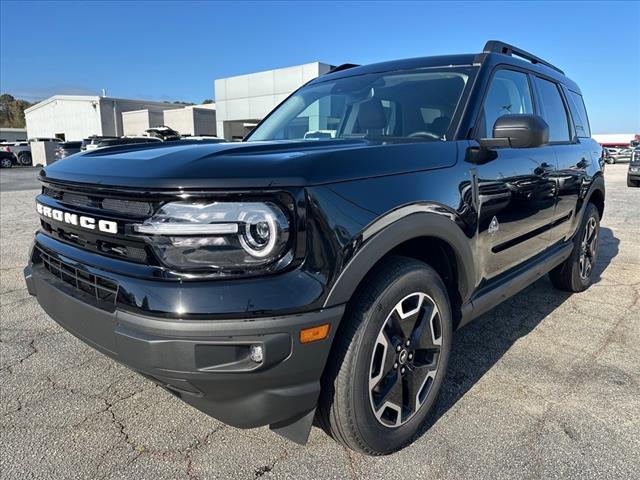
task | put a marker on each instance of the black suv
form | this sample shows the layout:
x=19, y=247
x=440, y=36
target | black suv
x=298, y=276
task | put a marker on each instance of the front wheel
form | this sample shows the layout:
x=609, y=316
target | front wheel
x=632, y=183
x=389, y=360
x=6, y=162
x=575, y=273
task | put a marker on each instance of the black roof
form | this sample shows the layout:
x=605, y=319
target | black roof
x=494, y=53
x=405, y=64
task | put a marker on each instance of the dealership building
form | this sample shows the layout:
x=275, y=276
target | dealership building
x=242, y=101
x=74, y=117
x=198, y=120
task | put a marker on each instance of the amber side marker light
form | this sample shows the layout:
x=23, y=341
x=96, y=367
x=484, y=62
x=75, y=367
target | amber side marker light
x=313, y=334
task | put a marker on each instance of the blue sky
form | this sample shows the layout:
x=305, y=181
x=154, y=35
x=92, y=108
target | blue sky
x=175, y=50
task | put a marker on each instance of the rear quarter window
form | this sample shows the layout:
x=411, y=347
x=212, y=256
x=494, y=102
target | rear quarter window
x=579, y=114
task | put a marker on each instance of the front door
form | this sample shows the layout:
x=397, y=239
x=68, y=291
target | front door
x=516, y=190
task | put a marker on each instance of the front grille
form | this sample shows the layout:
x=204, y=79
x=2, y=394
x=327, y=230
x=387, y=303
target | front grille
x=112, y=205
x=125, y=211
x=100, y=288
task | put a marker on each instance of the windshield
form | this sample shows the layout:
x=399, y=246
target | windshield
x=416, y=104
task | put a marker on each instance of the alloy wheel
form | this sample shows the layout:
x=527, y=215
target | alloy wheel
x=405, y=360
x=588, y=248
x=5, y=163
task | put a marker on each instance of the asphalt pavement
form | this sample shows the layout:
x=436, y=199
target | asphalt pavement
x=19, y=178
x=547, y=385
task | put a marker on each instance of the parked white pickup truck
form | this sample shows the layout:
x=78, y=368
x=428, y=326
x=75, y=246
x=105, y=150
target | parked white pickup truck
x=22, y=150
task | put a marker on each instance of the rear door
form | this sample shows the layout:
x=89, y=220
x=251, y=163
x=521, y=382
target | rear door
x=573, y=156
x=516, y=190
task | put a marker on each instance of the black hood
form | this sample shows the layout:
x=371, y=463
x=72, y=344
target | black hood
x=248, y=165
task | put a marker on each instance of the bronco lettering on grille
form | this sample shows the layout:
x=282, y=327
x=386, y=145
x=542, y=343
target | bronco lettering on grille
x=90, y=223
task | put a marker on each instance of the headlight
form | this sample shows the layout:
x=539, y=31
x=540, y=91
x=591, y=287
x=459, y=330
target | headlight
x=218, y=235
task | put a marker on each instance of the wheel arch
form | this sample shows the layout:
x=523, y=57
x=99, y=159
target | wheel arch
x=596, y=194
x=435, y=238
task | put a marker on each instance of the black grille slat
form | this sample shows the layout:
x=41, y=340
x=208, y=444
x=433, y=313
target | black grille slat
x=100, y=288
x=111, y=205
x=78, y=200
x=127, y=206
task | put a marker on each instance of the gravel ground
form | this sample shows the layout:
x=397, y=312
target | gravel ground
x=547, y=385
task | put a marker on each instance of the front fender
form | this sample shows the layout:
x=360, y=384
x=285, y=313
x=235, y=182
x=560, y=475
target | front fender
x=395, y=228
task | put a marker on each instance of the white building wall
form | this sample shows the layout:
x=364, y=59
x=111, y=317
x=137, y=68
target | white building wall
x=192, y=120
x=248, y=98
x=180, y=119
x=136, y=122
x=80, y=116
x=75, y=117
x=113, y=108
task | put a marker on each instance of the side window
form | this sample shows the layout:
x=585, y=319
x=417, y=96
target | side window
x=579, y=114
x=508, y=94
x=553, y=111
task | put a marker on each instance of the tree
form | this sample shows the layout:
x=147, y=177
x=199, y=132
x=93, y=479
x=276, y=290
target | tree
x=206, y=101
x=12, y=111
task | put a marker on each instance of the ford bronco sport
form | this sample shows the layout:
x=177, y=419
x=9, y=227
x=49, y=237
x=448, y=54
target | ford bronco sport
x=298, y=277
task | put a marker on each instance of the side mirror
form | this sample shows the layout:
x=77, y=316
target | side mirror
x=518, y=131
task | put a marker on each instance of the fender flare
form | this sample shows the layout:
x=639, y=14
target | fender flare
x=597, y=184
x=395, y=228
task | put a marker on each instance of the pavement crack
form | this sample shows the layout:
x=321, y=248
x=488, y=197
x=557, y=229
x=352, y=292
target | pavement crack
x=264, y=469
x=34, y=350
x=190, y=449
x=351, y=463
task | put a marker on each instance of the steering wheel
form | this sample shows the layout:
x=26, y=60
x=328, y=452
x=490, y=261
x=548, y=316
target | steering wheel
x=424, y=135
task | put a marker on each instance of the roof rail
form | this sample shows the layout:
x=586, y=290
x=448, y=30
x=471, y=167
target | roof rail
x=344, y=66
x=496, y=46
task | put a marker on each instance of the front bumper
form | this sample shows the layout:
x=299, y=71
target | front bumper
x=204, y=362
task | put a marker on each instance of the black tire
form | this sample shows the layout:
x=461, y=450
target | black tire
x=5, y=162
x=25, y=159
x=632, y=183
x=346, y=407
x=573, y=275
